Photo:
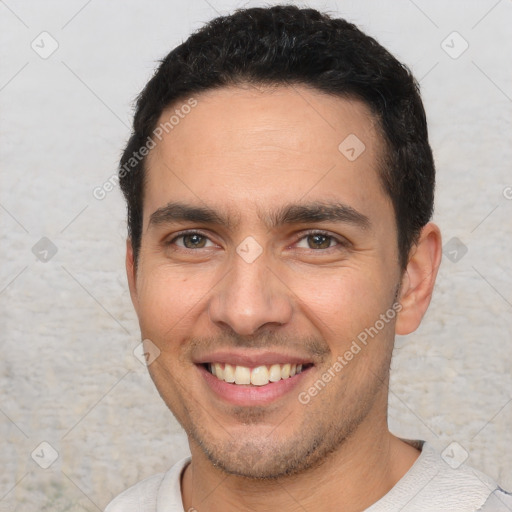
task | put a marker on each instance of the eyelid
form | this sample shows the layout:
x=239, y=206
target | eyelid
x=340, y=240
x=186, y=232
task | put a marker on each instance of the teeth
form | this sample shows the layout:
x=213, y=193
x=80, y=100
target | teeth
x=229, y=373
x=259, y=376
x=217, y=370
x=275, y=373
x=242, y=375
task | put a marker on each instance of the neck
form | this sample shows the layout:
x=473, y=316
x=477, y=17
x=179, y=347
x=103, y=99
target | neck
x=353, y=477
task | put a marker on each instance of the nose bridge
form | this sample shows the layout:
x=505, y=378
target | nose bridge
x=251, y=295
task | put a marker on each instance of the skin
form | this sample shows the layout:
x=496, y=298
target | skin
x=243, y=152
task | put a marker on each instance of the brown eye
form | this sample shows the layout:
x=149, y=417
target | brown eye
x=319, y=241
x=194, y=241
x=191, y=241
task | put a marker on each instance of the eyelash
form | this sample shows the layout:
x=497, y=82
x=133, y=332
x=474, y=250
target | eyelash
x=340, y=242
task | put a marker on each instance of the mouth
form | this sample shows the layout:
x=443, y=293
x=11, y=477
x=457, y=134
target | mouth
x=251, y=378
x=262, y=375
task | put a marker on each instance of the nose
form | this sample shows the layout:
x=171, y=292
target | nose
x=250, y=297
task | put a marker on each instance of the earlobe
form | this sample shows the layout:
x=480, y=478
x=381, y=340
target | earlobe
x=419, y=279
x=131, y=274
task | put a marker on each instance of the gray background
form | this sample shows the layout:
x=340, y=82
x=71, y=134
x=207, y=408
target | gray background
x=68, y=376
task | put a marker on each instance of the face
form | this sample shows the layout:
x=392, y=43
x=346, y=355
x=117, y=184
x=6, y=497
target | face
x=266, y=251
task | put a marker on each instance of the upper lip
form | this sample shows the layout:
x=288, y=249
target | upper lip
x=250, y=358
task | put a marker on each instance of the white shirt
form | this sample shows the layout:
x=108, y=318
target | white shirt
x=429, y=485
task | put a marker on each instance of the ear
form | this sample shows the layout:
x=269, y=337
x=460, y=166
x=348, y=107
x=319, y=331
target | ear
x=131, y=273
x=419, y=279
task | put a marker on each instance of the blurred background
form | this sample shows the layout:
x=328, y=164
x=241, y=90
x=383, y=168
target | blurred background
x=80, y=419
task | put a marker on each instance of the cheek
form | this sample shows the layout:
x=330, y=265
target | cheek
x=342, y=303
x=167, y=301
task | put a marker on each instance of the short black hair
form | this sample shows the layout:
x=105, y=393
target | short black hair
x=285, y=44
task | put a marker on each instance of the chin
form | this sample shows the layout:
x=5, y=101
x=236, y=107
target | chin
x=264, y=458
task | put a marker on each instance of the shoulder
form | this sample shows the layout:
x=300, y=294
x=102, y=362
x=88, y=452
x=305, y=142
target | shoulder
x=440, y=483
x=457, y=486
x=144, y=496
x=141, y=496
x=498, y=501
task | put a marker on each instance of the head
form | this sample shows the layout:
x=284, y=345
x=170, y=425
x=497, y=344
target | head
x=293, y=150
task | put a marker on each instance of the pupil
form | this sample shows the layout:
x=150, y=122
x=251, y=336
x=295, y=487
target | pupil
x=192, y=241
x=320, y=241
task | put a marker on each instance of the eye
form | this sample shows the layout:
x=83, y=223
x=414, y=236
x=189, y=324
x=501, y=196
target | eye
x=316, y=240
x=313, y=240
x=191, y=240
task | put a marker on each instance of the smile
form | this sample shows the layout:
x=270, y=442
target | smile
x=257, y=376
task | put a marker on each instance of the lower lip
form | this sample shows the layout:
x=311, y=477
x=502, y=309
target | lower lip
x=249, y=395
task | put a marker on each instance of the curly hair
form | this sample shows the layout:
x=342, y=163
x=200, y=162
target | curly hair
x=286, y=44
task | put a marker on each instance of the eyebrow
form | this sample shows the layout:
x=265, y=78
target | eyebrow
x=317, y=212
x=175, y=212
x=180, y=212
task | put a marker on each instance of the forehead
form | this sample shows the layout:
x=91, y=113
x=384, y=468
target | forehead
x=247, y=145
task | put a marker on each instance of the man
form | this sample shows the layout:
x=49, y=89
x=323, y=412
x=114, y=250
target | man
x=279, y=183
